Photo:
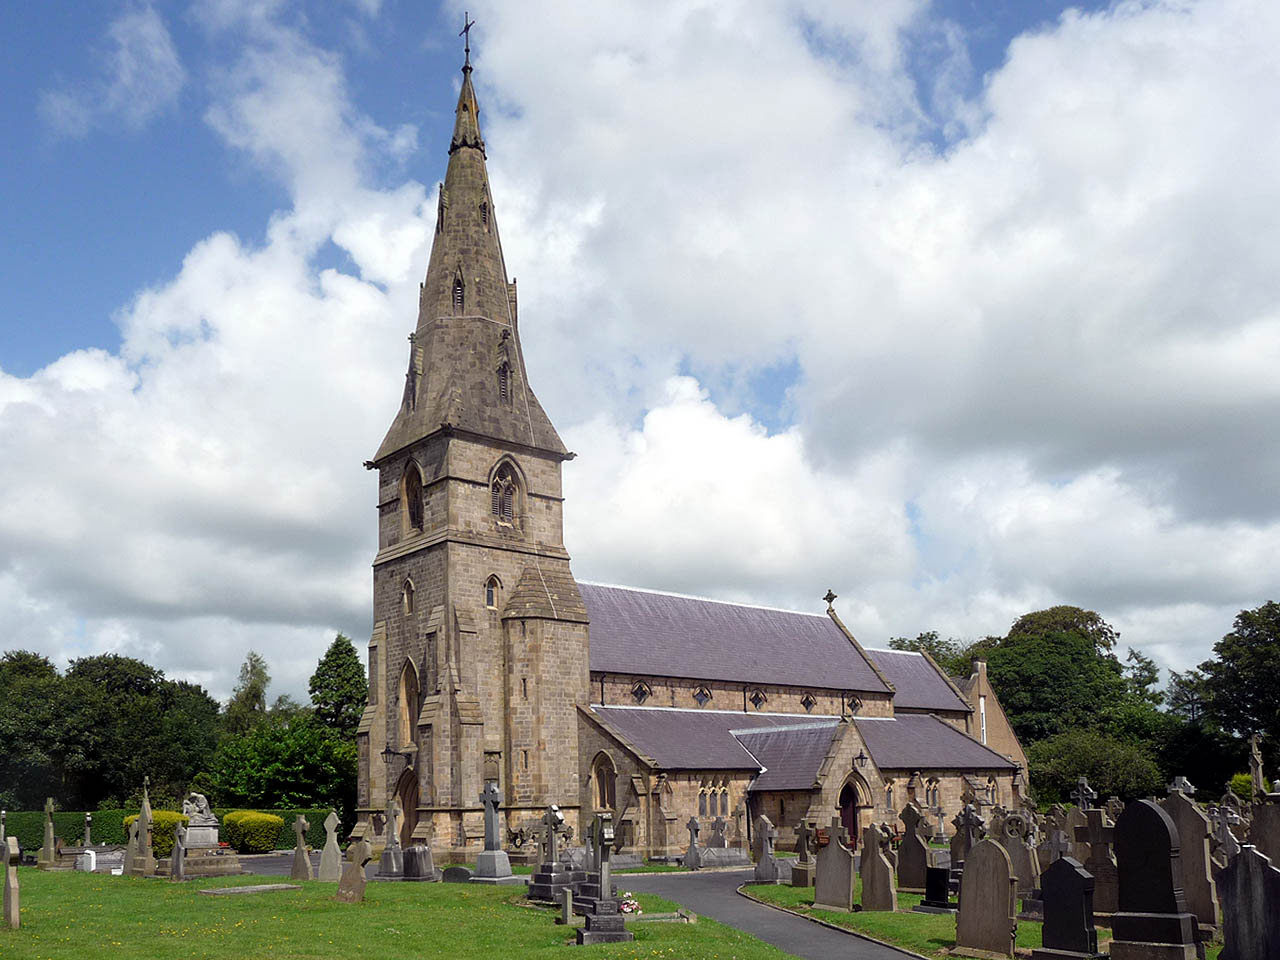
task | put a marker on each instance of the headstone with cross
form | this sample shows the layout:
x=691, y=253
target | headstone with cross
x=1114, y=807
x=493, y=865
x=1083, y=794
x=1099, y=834
x=301, y=855
x=604, y=920
x=719, y=840
x=693, y=856
x=969, y=830
x=552, y=875
x=834, y=874
x=47, y=853
x=802, y=869
x=766, y=863
x=330, y=857
x=1256, y=775
x=913, y=854
x=1226, y=846
x=1194, y=862
x=879, y=891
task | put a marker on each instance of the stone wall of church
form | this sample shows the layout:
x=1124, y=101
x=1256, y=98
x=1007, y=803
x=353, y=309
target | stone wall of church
x=617, y=689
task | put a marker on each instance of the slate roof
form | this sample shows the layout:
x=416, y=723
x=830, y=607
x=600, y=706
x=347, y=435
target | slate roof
x=790, y=756
x=547, y=592
x=917, y=684
x=912, y=741
x=696, y=739
x=668, y=635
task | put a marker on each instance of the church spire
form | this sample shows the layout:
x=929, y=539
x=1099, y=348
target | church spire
x=466, y=366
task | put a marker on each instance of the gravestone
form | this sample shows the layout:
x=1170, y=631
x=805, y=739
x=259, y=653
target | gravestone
x=937, y=892
x=131, y=845
x=833, y=874
x=1098, y=835
x=913, y=854
x=1114, y=807
x=457, y=874
x=969, y=830
x=802, y=869
x=12, y=916
x=1250, y=887
x=598, y=901
x=566, y=907
x=143, y=863
x=202, y=825
x=391, y=861
x=1077, y=828
x=987, y=922
x=767, y=863
x=420, y=863
x=88, y=829
x=1153, y=922
x=693, y=856
x=331, y=856
x=1194, y=874
x=178, y=858
x=879, y=891
x=493, y=865
x=1264, y=827
x=1225, y=844
x=87, y=862
x=301, y=855
x=1256, y=776
x=1014, y=836
x=1068, y=932
x=718, y=841
x=352, y=883
x=1054, y=841
x=553, y=875
x=47, y=856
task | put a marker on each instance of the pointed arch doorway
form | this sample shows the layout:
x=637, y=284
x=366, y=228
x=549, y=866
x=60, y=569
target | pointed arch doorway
x=854, y=797
x=407, y=796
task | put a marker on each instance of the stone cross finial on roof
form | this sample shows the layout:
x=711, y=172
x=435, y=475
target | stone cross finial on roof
x=1083, y=794
x=830, y=598
x=465, y=32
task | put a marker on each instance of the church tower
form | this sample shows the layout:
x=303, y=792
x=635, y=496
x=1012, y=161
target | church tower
x=478, y=657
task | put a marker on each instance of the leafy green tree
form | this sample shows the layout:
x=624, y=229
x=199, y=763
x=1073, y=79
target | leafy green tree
x=283, y=762
x=1243, y=679
x=339, y=690
x=30, y=702
x=1188, y=695
x=1065, y=619
x=248, y=703
x=952, y=655
x=1112, y=766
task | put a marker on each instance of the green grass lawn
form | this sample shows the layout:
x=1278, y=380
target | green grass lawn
x=73, y=916
x=929, y=934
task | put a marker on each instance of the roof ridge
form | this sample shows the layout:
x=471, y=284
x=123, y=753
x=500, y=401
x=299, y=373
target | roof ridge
x=757, y=713
x=812, y=725
x=910, y=653
x=690, y=596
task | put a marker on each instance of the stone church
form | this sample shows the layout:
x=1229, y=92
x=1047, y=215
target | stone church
x=488, y=660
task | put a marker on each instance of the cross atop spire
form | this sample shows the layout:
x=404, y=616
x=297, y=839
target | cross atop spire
x=465, y=32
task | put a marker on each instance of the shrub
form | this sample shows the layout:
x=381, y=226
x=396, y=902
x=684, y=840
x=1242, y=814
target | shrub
x=230, y=831
x=259, y=832
x=162, y=824
x=1113, y=767
x=1242, y=786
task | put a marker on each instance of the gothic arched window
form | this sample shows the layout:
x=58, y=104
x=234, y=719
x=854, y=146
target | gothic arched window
x=408, y=704
x=702, y=802
x=605, y=777
x=504, y=382
x=502, y=493
x=413, y=496
x=406, y=597
x=458, y=295
x=491, y=588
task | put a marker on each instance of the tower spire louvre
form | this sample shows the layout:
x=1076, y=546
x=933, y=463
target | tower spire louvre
x=465, y=33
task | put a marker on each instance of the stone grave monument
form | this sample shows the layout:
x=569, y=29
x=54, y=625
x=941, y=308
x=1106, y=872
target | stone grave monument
x=1014, y=836
x=937, y=892
x=493, y=865
x=11, y=911
x=301, y=853
x=88, y=829
x=1225, y=844
x=202, y=825
x=331, y=856
x=1068, y=932
x=47, y=856
x=1153, y=922
x=913, y=853
x=693, y=856
x=143, y=863
x=553, y=875
x=833, y=874
x=802, y=869
x=1250, y=888
x=987, y=922
x=1099, y=835
x=351, y=885
x=1078, y=820
x=204, y=858
x=1194, y=865
x=767, y=862
x=420, y=863
x=178, y=858
x=1264, y=826
x=391, y=862
x=718, y=841
x=597, y=898
x=879, y=889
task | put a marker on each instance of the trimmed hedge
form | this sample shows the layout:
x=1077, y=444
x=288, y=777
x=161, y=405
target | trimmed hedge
x=108, y=826
x=252, y=832
x=162, y=824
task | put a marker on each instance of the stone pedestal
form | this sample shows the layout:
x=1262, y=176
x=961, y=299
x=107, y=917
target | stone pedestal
x=420, y=864
x=802, y=874
x=391, y=863
x=202, y=836
x=550, y=880
x=605, y=925
x=494, y=866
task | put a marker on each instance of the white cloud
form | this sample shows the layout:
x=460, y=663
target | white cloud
x=140, y=76
x=1032, y=368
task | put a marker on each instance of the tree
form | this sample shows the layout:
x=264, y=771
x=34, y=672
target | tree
x=1067, y=620
x=1188, y=695
x=30, y=763
x=1113, y=767
x=338, y=688
x=248, y=703
x=1243, y=679
x=953, y=656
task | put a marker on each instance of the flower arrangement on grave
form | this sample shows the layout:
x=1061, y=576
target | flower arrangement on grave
x=627, y=903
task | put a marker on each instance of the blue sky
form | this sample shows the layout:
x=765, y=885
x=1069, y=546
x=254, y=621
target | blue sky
x=956, y=308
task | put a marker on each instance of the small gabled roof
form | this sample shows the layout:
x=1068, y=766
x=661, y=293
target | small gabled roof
x=916, y=741
x=917, y=683
x=791, y=756
x=670, y=635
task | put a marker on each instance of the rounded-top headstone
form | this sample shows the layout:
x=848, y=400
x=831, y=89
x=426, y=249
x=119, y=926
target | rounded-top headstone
x=1146, y=845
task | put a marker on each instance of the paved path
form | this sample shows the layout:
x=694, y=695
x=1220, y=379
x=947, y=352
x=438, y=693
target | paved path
x=714, y=894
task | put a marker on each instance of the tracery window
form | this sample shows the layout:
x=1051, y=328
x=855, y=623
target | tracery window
x=413, y=496
x=491, y=588
x=702, y=695
x=602, y=772
x=502, y=493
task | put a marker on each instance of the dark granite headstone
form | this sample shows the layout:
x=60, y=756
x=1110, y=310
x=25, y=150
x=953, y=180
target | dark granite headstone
x=913, y=855
x=1250, y=889
x=1068, y=932
x=937, y=892
x=1153, y=921
x=420, y=863
x=457, y=874
x=553, y=875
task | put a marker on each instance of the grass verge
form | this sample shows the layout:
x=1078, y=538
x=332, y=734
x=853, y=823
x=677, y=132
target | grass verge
x=72, y=916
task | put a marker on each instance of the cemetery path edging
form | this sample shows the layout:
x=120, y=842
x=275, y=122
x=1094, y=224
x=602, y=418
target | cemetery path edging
x=742, y=892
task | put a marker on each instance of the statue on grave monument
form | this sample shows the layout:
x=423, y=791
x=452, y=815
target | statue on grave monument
x=1255, y=767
